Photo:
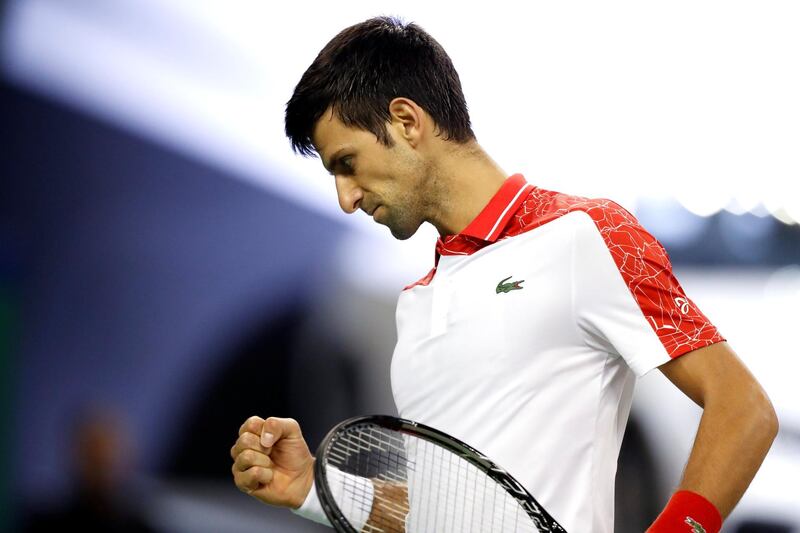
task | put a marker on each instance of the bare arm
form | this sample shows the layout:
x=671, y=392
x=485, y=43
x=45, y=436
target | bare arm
x=389, y=507
x=736, y=429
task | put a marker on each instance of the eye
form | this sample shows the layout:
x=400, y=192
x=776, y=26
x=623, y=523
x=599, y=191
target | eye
x=347, y=163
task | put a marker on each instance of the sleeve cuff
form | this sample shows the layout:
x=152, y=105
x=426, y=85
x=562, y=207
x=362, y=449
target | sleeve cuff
x=340, y=484
x=311, y=508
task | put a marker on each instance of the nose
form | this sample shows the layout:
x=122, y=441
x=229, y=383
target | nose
x=350, y=194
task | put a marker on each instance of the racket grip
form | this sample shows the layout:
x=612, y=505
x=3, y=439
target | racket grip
x=340, y=484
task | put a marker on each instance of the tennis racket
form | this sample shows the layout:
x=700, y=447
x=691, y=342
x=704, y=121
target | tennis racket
x=381, y=474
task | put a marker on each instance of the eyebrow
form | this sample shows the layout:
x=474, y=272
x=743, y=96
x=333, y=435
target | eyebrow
x=333, y=160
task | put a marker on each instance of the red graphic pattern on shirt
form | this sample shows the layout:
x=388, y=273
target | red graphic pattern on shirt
x=642, y=261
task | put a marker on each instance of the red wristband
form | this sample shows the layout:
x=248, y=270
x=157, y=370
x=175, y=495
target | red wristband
x=687, y=512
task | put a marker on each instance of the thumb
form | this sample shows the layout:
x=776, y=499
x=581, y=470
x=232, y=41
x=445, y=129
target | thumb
x=275, y=429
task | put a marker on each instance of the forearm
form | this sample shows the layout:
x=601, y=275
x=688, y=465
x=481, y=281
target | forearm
x=735, y=432
x=387, y=502
x=732, y=440
x=389, y=507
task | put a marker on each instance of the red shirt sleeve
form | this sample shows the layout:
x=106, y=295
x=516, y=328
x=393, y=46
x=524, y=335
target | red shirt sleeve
x=646, y=269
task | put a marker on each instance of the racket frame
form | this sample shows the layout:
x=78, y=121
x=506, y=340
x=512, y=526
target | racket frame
x=540, y=517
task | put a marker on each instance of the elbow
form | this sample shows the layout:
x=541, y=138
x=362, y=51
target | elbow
x=772, y=422
x=767, y=418
x=757, y=416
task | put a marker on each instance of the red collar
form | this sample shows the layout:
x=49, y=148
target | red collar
x=488, y=226
x=491, y=221
x=485, y=228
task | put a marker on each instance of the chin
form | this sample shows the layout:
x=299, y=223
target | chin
x=402, y=234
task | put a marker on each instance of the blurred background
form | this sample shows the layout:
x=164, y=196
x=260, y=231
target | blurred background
x=168, y=267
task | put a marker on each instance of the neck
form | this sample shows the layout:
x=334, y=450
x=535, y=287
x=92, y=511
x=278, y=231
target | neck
x=465, y=179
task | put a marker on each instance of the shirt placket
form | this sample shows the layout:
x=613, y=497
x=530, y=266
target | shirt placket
x=440, y=305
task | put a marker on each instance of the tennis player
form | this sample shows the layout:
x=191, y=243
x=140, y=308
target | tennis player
x=540, y=311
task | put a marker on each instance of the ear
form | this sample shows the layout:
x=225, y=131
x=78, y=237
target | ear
x=408, y=119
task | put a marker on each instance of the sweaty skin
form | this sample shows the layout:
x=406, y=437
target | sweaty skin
x=421, y=178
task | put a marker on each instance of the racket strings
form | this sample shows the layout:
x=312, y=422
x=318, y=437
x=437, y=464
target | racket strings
x=490, y=507
x=419, y=487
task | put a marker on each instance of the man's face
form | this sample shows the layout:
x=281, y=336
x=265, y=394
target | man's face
x=388, y=183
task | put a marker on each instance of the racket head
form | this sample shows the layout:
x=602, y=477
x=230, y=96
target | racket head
x=347, y=436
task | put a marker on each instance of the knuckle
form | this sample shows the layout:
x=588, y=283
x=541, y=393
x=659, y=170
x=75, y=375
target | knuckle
x=240, y=481
x=256, y=475
x=264, y=474
x=244, y=480
x=253, y=480
x=248, y=457
x=250, y=423
x=249, y=440
x=241, y=463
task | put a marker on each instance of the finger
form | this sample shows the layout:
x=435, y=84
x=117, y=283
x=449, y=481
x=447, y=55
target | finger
x=249, y=458
x=275, y=429
x=248, y=441
x=253, y=478
x=252, y=425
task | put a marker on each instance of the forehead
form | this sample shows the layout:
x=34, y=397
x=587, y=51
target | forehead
x=328, y=129
x=330, y=134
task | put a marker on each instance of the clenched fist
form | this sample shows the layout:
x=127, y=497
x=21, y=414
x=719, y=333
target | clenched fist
x=271, y=461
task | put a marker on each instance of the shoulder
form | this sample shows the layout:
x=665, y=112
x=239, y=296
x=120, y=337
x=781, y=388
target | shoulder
x=605, y=216
x=601, y=231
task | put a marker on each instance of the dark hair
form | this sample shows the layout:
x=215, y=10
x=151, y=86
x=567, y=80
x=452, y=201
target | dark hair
x=366, y=66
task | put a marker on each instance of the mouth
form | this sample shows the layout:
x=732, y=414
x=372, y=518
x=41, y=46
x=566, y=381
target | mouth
x=372, y=213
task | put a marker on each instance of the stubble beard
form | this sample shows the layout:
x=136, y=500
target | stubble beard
x=403, y=221
x=413, y=207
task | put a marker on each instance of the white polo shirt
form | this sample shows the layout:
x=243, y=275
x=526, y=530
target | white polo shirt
x=525, y=339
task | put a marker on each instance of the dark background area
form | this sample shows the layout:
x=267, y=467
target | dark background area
x=137, y=279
